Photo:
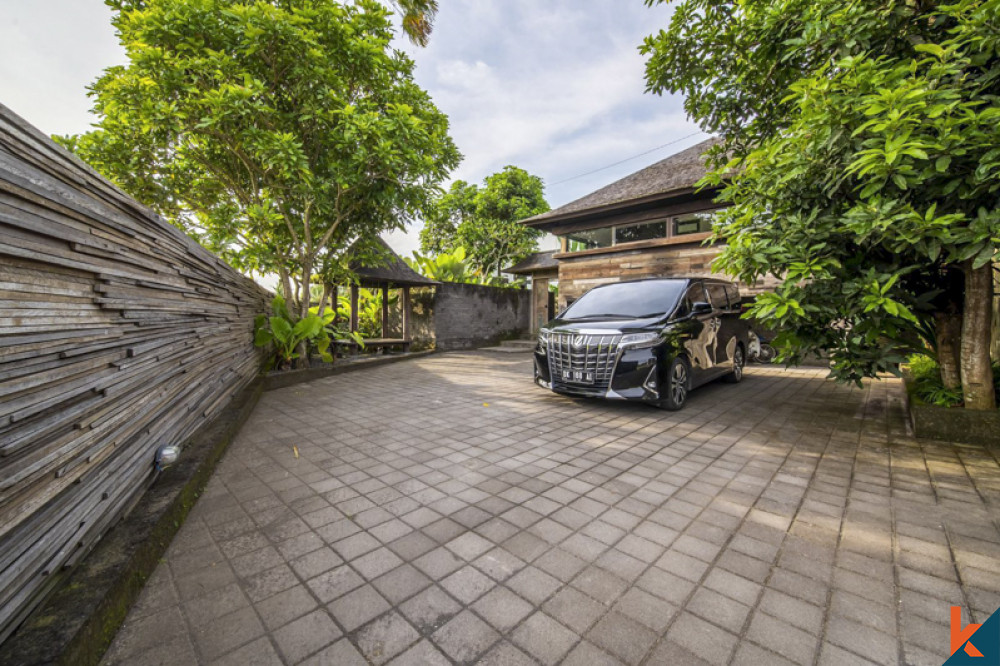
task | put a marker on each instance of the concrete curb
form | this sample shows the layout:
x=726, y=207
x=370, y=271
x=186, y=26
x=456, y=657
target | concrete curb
x=276, y=380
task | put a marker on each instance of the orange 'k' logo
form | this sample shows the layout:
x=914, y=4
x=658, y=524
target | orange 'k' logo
x=959, y=635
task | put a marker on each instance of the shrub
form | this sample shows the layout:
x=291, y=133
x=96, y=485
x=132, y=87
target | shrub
x=927, y=384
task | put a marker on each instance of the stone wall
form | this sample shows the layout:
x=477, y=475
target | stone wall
x=464, y=316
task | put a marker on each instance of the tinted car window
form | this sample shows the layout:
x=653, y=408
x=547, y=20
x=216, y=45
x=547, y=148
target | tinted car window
x=717, y=292
x=694, y=294
x=628, y=300
x=733, y=292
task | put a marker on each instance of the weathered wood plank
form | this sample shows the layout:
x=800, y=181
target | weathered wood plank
x=117, y=333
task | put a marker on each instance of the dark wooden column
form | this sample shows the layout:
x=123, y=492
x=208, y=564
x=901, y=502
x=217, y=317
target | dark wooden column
x=354, y=308
x=334, y=303
x=385, y=312
x=406, y=318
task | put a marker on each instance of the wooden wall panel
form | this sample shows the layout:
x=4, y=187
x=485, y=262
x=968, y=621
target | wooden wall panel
x=118, y=334
x=579, y=275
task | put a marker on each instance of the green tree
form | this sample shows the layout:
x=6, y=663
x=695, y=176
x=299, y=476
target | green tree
x=861, y=155
x=444, y=215
x=485, y=220
x=276, y=132
x=494, y=237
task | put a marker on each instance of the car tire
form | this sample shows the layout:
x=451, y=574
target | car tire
x=677, y=384
x=739, y=362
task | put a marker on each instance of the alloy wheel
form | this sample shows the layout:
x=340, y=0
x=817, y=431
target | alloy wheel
x=678, y=383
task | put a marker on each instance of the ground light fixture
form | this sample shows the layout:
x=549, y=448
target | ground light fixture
x=166, y=456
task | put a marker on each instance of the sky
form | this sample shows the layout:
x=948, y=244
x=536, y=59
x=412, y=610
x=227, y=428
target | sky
x=554, y=87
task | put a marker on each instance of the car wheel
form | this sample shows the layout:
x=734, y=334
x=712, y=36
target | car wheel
x=739, y=360
x=766, y=354
x=678, y=383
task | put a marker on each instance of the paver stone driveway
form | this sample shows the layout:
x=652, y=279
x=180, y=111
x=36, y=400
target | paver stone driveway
x=445, y=510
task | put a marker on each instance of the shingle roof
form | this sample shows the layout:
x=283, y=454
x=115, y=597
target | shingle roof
x=677, y=172
x=381, y=266
x=535, y=262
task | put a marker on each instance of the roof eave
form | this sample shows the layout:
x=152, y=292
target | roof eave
x=615, y=207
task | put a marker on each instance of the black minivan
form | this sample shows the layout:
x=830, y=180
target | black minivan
x=649, y=340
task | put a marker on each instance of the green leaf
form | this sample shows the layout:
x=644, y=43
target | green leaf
x=281, y=329
x=984, y=257
x=262, y=337
x=308, y=328
x=933, y=49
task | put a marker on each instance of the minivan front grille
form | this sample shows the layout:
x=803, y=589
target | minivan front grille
x=576, y=357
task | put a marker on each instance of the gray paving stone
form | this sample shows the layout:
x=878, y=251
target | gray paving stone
x=382, y=639
x=702, y=639
x=587, y=654
x=467, y=584
x=216, y=638
x=465, y=637
x=502, y=609
x=543, y=638
x=422, y=654
x=358, y=607
x=505, y=654
x=285, y=606
x=534, y=584
x=258, y=653
x=431, y=609
x=574, y=609
x=623, y=637
x=334, y=583
x=714, y=533
x=438, y=563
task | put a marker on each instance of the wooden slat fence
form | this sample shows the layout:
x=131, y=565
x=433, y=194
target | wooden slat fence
x=118, y=334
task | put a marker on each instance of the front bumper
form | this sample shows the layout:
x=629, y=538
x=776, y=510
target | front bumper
x=635, y=376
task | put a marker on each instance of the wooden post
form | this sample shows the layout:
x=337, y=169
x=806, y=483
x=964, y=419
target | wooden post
x=354, y=308
x=335, y=303
x=385, y=312
x=406, y=319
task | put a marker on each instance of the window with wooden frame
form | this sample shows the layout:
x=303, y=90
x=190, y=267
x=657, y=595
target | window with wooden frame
x=622, y=234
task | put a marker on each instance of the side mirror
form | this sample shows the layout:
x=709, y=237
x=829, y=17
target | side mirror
x=701, y=308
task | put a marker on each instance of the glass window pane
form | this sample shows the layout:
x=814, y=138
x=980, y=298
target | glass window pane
x=693, y=223
x=644, y=298
x=588, y=240
x=696, y=294
x=640, y=232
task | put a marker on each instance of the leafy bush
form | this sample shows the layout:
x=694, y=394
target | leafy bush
x=927, y=384
x=369, y=311
x=285, y=333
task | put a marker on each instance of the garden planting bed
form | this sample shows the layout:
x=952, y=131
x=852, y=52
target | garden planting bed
x=951, y=424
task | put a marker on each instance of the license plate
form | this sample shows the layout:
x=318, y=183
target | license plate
x=578, y=376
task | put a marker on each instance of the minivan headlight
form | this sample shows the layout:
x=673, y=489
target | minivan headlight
x=640, y=340
x=543, y=342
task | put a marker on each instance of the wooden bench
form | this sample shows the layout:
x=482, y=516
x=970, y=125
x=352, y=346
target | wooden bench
x=377, y=343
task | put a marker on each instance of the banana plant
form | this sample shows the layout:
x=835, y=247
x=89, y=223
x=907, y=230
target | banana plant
x=286, y=334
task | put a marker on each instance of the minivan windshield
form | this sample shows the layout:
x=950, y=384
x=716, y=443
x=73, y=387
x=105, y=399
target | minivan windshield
x=628, y=300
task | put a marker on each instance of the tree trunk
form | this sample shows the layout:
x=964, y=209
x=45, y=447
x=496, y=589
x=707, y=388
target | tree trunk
x=995, y=346
x=948, y=331
x=286, y=286
x=977, y=373
x=324, y=298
